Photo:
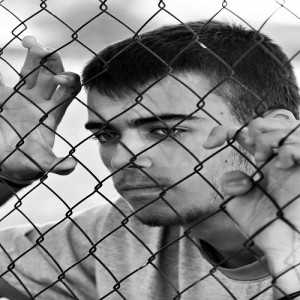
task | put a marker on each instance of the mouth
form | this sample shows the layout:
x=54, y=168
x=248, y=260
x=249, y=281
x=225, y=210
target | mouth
x=148, y=188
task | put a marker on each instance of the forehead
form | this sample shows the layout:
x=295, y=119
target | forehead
x=181, y=95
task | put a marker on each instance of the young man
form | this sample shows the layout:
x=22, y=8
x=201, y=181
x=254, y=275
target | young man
x=198, y=218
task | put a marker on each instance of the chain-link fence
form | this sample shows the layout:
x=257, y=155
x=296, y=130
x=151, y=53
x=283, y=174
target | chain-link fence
x=154, y=95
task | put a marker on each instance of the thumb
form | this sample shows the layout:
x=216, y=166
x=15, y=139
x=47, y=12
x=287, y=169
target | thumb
x=64, y=166
x=236, y=183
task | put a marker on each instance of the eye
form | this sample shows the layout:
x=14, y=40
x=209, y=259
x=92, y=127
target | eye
x=166, y=131
x=105, y=137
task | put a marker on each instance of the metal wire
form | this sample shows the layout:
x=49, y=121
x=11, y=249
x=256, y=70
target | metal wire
x=127, y=222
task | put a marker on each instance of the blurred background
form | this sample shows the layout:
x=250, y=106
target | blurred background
x=54, y=21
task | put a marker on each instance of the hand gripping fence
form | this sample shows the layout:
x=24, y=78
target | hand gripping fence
x=47, y=276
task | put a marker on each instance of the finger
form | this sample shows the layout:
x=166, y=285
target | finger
x=288, y=156
x=267, y=143
x=69, y=87
x=262, y=125
x=30, y=41
x=47, y=161
x=220, y=134
x=66, y=80
x=53, y=65
x=264, y=145
x=236, y=183
x=31, y=65
x=64, y=166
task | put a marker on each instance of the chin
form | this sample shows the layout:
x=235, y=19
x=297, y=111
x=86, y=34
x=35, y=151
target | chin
x=159, y=221
x=168, y=217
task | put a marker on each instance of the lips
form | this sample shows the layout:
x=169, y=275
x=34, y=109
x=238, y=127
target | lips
x=133, y=180
x=139, y=187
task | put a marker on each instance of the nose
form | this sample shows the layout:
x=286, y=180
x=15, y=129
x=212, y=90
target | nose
x=131, y=149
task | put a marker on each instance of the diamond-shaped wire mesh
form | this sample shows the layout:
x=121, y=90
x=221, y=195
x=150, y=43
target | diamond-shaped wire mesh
x=153, y=96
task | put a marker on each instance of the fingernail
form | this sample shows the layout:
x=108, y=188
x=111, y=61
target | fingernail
x=233, y=179
x=234, y=183
x=234, y=187
x=68, y=77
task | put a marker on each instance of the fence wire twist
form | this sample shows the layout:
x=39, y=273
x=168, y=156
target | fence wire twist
x=93, y=245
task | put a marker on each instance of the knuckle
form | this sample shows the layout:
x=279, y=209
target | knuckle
x=54, y=54
x=289, y=136
x=285, y=150
x=38, y=51
x=260, y=139
x=256, y=123
x=47, y=70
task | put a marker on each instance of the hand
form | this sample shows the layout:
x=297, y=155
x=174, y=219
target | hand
x=45, y=91
x=268, y=210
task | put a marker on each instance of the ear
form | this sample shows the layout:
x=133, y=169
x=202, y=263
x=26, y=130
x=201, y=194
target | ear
x=280, y=113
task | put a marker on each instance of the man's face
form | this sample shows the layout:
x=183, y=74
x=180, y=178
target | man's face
x=164, y=135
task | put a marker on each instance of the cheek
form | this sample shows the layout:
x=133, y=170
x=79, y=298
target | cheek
x=106, y=157
x=194, y=153
x=217, y=164
x=182, y=160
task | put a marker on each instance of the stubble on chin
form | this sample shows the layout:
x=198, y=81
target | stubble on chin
x=176, y=218
x=197, y=215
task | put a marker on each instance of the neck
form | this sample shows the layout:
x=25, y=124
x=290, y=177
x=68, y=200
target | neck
x=222, y=234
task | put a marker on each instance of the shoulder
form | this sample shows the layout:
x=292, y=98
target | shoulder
x=108, y=224
x=90, y=222
x=116, y=222
x=109, y=214
x=107, y=218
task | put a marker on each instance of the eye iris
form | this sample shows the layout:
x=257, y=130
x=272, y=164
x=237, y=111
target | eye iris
x=168, y=132
x=107, y=136
x=171, y=131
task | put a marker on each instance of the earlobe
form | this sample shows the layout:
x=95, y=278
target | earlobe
x=280, y=113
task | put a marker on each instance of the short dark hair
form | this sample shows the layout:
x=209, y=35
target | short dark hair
x=257, y=76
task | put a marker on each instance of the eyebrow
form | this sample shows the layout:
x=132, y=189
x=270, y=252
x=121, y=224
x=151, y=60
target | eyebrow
x=145, y=121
